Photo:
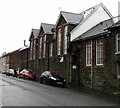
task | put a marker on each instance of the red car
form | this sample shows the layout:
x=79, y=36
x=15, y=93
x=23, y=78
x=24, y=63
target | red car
x=27, y=74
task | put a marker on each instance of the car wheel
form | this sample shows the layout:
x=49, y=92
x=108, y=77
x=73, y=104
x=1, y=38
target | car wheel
x=41, y=80
x=26, y=78
x=19, y=76
x=63, y=85
x=50, y=82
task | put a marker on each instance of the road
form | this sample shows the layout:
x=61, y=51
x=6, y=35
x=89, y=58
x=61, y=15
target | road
x=19, y=92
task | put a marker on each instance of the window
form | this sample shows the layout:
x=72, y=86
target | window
x=118, y=42
x=36, y=41
x=44, y=45
x=59, y=42
x=40, y=47
x=31, y=49
x=99, y=52
x=65, y=40
x=34, y=46
x=89, y=53
x=51, y=49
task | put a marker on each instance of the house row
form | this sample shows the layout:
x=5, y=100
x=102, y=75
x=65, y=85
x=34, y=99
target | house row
x=83, y=47
x=10, y=60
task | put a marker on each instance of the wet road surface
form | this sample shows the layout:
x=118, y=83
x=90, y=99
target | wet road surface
x=19, y=92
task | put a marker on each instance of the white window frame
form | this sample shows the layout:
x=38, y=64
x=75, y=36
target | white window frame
x=59, y=42
x=44, y=46
x=99, y=49
x=65, y=40
x=89, y=57
x=40, y=47
x=51, y=49
x=117, y=43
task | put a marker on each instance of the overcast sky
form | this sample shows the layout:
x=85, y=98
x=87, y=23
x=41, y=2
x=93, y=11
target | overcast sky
x=18, y=17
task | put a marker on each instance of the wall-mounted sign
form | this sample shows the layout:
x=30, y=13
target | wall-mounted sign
x=74, y=67
x=61, y=59
x=118, y=76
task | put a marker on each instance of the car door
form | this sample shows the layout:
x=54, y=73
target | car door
x=46, y=77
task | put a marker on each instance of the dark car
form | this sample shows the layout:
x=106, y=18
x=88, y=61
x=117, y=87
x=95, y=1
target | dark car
x=27, y=74
x=52, y=78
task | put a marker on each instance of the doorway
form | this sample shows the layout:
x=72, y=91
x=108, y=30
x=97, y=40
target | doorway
x=75, y=70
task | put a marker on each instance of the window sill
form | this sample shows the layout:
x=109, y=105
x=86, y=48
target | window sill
x=117, y=53
x=88, y=65
x=99, y=64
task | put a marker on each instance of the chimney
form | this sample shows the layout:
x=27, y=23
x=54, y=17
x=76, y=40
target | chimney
x=24, y=42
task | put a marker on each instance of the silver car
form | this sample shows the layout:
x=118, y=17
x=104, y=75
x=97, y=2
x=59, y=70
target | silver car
x=10, y=72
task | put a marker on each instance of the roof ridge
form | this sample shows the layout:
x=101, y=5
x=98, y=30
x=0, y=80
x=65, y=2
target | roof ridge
x=105, y=8
x=46, y=27
x=34, y=29
x=70, y=12
x=47, y=24
x=93, y=7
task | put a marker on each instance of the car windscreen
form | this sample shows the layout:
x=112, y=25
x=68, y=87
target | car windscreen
x=56, y=76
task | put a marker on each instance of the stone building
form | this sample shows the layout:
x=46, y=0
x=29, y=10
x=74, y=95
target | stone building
x=10, y=60
x=80, y=47
x=24, y=57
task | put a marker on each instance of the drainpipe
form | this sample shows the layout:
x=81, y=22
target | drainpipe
x=47, y=44
x=91, y=76
x=118, y=77
x=78, y=70
x=48, y=55
x=27, y=60
x=91, y=72
x=68, y=64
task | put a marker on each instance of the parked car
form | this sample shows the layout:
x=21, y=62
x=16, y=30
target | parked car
x=27, y=74
x=21, y=73
x=10, y=72
x=52, y=78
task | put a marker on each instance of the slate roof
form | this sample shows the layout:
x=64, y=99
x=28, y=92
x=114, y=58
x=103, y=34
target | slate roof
x=24, y=48
x=99, y=29
x=78, y=18
x=35, y=33
x=71, y=18
x=116, y=24
x=47, y=28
